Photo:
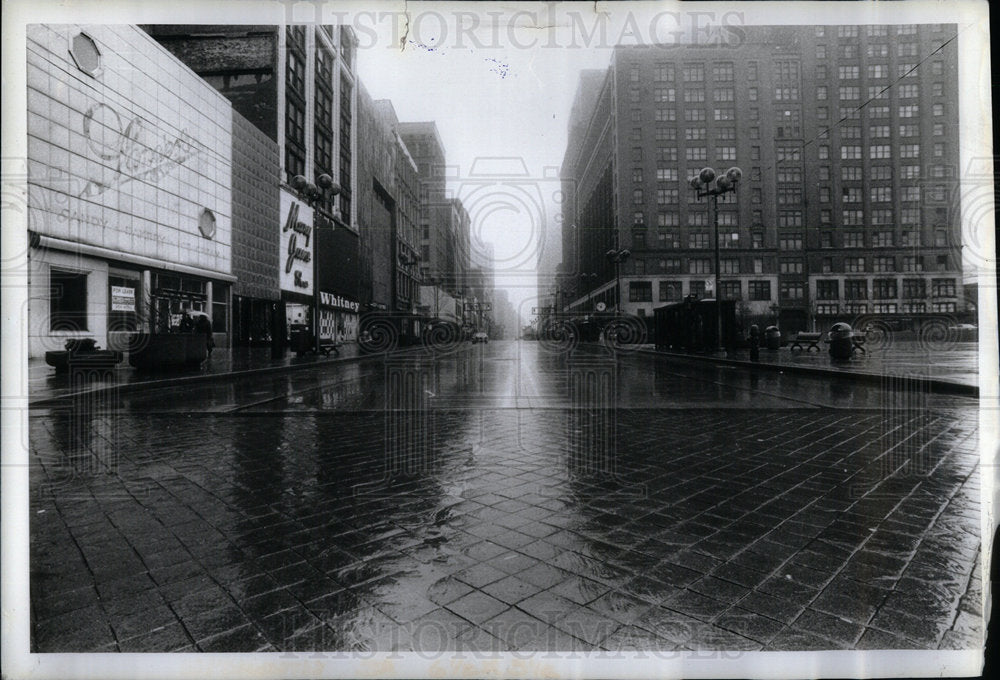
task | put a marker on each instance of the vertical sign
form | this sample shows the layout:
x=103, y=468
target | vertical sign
x=296, y=252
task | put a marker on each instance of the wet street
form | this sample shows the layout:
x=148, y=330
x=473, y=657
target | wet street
x=507, y=497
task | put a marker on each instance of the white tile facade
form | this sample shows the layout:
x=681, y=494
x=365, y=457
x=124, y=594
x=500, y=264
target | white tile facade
x=125, y=159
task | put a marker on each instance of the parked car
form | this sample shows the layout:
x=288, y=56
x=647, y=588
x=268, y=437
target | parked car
x=480, y=336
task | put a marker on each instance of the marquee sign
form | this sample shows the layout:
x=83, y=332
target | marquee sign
x=296, y=245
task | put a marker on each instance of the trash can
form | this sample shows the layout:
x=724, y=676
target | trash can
x=301, y=341
x=772, y=337
x=841, y=344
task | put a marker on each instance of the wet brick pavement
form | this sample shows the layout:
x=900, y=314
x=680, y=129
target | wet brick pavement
x=505, y=529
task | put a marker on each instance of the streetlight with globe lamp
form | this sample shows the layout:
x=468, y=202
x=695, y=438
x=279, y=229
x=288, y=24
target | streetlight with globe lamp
x=724, y=183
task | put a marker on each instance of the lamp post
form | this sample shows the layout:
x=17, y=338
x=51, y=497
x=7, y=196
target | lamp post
x=618, y=257
x=724, y=183
x=313, y=195
x=587, y=280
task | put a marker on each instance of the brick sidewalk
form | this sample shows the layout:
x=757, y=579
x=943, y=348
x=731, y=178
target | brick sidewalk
x=724, y=529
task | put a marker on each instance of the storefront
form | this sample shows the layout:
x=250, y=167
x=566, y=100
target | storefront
x=128, y=190
x=257, y=312
x=338, y=317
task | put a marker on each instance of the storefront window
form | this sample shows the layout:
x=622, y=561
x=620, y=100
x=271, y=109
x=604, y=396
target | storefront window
x=220, y=308
x=123, y=301
x=67, y=300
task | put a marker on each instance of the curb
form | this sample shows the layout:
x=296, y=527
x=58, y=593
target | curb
x=936, y=385
x=141, y=385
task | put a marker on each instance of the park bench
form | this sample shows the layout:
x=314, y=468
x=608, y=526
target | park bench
x=327, y=346
x=806, y=341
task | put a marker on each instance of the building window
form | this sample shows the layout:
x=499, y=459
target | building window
x=882, y=239
x=700, y=265
x=670, y=291
x=665, y=134
x=667, y=219
x=759, y=290
x=729, y=265
x=884, y=264
x=757, y=240
x=943, y=288
x=666, y=174
x=909, y=111
x=827, y=289
x=664, y=94
x=694, y=96
x=790, y=218
x=664, y=115
x=792, y=290
x=790, y=266
x=790, y=242
x=694, y=115
x=854, y=265
x=665, y=196
x=882, y=216
x=693, y=73
x=850, y=153
x=730, y=290
x=698, y=240
x=637, y=195
x=881, y=194
x=854, y=239
x=672, y=265
x=663, y=73
x=879, y=151
x=852, y=217
x=914, y=288
x=638, y=239
x=640, y=291
x=695, y=153
x=856, y=289
x=67, y=300
x=912, y=263
x=884, y=289
x=944, y=307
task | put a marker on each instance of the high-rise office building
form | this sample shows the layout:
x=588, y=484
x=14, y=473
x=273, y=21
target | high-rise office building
x=848, y=141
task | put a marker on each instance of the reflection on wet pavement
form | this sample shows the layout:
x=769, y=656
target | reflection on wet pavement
x=501, y=499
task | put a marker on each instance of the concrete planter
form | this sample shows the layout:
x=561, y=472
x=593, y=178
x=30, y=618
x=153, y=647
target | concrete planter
x=166, y=351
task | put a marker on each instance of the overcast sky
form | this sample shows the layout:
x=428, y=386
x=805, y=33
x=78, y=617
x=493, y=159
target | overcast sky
x=500, y=92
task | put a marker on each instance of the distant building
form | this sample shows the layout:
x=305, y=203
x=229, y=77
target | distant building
x=443, y=228
x=849, y=151
x=388, y=215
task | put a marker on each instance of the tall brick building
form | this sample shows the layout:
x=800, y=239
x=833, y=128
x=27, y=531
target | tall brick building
x=297, y=85
x=848, y=141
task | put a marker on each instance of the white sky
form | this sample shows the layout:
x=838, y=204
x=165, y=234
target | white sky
x=501, y=101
